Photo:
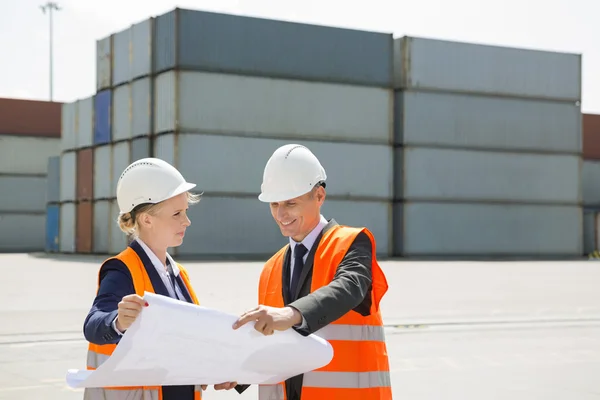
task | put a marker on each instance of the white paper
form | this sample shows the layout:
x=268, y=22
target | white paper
x=177, y=343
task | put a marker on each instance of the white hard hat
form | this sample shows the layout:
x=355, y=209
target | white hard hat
x=149, y=180
x=292, y=171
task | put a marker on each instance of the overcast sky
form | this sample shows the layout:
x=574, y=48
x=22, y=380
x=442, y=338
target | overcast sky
x=556, y=25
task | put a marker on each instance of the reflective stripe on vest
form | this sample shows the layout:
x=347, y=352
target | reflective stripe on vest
x=98, y=354
x=359, y=369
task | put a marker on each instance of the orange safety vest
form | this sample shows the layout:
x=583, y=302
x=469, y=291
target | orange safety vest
x=359, y=369
x=97, y=354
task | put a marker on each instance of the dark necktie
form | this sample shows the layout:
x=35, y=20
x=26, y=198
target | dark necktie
x=299, y=252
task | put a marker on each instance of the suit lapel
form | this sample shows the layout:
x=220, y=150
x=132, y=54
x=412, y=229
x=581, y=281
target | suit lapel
x=155, y=279
x=285, y=276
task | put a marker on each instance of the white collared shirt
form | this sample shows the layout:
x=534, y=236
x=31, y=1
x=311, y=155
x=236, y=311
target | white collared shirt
x=308, y=242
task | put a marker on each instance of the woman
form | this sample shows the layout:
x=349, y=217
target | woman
x=153, y=199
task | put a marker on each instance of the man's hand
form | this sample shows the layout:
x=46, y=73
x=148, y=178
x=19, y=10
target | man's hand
x=222, y=386
x=270, y=319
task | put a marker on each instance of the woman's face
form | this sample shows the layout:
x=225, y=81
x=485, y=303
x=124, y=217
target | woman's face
x=167, y=225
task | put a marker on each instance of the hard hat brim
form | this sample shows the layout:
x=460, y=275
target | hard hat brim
x=277, y=197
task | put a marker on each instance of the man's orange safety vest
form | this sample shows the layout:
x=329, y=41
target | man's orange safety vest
x=359, y=369
x=97, y=354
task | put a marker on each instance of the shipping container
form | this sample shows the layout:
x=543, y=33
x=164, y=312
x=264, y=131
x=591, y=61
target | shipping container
x=471, y=229
x=467, y=175
x=256, y=46
x=198, y=157
x=590, y=177
x=102, y=221
x=69, y=126
x=591, y=136
x=84, y=227
x=52, y=228
x=30, y=118
x=25, y=193
x=121, y=158
x=589, y=231
x=141, y=48
x=85, y=122
x=53, y=180
x=26, y=155
x=121, y=60
x=232, y=104
x=429, y=64
x=249, y=229
x=22, y=233
x=103, y=172
x=140, y=148
x=121, y=112
x=68, y=176
x=117, y=241
x=103, y=63
x=85, y=174
x=67, y=228
x=141, y=107
x=102, y=117
x=471, y=121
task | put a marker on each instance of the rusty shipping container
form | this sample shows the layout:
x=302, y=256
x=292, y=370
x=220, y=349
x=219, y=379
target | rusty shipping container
x=85, y=174
x=30, y=118
x=591, y=136
x=84, y=227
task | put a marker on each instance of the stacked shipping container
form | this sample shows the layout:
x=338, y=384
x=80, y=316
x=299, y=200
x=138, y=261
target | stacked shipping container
x=488, y=150
x=29, y=135
x=591, y=182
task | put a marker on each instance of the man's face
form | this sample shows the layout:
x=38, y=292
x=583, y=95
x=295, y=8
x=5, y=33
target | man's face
x=297, y=217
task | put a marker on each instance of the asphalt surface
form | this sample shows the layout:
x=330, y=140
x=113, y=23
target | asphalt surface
x=456, y=330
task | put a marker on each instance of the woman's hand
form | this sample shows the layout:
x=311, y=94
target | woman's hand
x=129, y=308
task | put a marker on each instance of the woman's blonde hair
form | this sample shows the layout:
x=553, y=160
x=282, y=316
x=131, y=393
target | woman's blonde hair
x=128, y=221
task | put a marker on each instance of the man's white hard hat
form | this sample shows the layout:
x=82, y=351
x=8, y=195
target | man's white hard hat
x=149, y=180
x=292, y=170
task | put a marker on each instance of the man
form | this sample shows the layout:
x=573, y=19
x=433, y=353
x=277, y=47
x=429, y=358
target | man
x=326, y=281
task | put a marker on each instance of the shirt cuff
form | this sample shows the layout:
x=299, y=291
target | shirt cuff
x=114, y=326
x=302, y=325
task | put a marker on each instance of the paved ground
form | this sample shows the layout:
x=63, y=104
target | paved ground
x=457, y=330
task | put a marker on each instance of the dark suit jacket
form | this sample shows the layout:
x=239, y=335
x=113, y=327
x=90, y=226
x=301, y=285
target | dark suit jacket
x=115, y=283
x=349, y=290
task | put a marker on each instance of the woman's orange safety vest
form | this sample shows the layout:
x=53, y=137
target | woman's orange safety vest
x=359, y=369
x=97, y=354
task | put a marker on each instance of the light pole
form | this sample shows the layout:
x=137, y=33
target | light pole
x=50, y=6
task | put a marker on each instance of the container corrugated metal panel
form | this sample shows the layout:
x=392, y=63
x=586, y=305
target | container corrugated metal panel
x=121, y=111
x=140, y=148
x=52, y=228
x=464, y=67
x=30, y=118
x=589, y=232
x=121, y=156
x=53, y=180
x=343, y=162
x=449, y=174
x=468, y=121
x=84, y=227
x=85, y=174
x=103, y=63
x=26, y=155
x=67, y=228
x=103, y=172
x=591, y=136
x=141, y=48
x=22, y=232
x=216, y=103
x=249, y=228
x=102, y=117
x=22, y=193
x=117, y=240
x=68, y=176
x=590, y=177
x=457, y=229
x=69, y=126
x=271, y=48
x=121, y=67
x=141, y=107
x=102, y=221
x=85, y=122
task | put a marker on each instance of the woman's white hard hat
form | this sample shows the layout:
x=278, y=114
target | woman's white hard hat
x=292, y=170
x=149, y=180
